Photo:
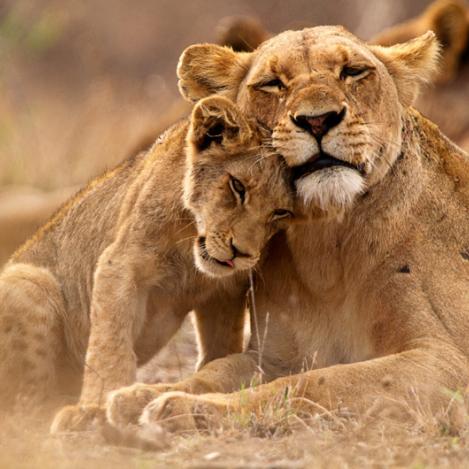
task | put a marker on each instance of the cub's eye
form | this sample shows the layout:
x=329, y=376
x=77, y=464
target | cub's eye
x=237, y=188
x=271, y=86
x=354, y=72
x=281, y=213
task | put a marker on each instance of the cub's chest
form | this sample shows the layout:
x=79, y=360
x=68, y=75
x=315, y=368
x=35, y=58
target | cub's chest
x=182, y=286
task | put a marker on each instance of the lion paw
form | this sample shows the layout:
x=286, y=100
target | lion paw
x=125, y=405
x=179, y=412
x=75, y=418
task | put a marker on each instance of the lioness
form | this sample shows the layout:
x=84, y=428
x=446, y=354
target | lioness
x=113, y=273
x=446, y=101
x=372, y=297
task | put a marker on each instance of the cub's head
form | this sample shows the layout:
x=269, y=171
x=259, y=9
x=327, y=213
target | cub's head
x=238, y=191
x=334, y=104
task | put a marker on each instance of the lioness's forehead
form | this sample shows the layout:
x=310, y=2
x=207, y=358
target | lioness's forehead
x=296, y=49
x=308, y=36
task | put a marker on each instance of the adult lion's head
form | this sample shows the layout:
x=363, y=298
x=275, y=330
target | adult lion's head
x=334, y=104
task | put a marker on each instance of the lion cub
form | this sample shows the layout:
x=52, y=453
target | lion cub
x=108, y=281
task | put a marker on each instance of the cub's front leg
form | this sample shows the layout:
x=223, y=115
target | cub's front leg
x=117, y=309
x=220, y=327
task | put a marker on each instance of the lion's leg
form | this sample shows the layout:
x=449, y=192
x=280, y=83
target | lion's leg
x=357, y=386
x=30, y=339
x=117, y=312
x=220, y=327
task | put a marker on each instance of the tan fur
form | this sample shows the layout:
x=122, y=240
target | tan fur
x=444, y=102
x=109, y=279
x=241, y=33
x=372, y=300
x=22, y=211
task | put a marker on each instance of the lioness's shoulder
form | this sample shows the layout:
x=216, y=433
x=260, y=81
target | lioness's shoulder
x=450, y=158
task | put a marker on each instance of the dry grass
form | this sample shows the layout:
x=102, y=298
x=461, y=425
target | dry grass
x=411, y=438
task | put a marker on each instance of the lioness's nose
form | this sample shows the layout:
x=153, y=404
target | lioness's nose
x=318, y=126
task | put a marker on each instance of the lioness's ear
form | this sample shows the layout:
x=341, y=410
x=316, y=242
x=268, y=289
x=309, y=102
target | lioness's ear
x=410, y=64
x=241, y=33
x=206, y=69
x=216, y=120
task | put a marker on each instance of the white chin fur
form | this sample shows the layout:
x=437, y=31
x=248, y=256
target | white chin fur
x=331, y=188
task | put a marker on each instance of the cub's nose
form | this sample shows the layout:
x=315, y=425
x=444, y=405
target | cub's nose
x=237, y=252
x=318, y=126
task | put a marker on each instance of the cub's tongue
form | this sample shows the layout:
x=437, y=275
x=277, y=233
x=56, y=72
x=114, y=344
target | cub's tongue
x=227, y=263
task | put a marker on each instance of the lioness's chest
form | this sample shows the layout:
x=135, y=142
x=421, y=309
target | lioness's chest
x=314, y=319
x=299, y=337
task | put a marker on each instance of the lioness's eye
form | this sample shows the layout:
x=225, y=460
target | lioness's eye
x=281, y=213
x=349, y=71
x=271, y=85
x=238, y=189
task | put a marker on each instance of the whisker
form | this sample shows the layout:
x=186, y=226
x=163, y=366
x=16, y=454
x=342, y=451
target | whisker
x=183, y=240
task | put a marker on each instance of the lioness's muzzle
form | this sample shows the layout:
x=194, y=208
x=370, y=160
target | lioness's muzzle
x=322, y=161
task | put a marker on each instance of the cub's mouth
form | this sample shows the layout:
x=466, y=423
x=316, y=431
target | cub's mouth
x=229, y=264
x=321, y=161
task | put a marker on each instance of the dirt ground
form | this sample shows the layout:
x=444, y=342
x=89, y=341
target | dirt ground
x=80, y=83
x=416, y=440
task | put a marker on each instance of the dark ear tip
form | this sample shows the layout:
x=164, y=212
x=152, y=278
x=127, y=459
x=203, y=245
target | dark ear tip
x=241, y=33
x=447, y=14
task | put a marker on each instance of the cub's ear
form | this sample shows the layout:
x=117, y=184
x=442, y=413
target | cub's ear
x=216, y=120
x=241, y=33
x=206, y=69
x=411, y=64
